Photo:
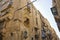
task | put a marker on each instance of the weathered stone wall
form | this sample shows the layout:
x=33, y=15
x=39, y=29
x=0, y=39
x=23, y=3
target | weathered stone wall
x=50, y=33
x=56, y=13
x=19, y=21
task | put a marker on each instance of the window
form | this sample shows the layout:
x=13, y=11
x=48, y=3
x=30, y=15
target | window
x=36, y=29
x=36, y=21
x=25, y=34
x=32, y=38
x=59, y=27
x=1, y=24
x=54, y=11
x=1, y=27
x=26, y=21
x=36, y=37
x=1, y=36
x=43, y=33
x=58, y=23
x=11, y=34
x=54, y=1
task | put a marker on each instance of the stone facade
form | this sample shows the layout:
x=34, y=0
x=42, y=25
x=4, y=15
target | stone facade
x=49, y=31
x=56, y=11
x=19, y=20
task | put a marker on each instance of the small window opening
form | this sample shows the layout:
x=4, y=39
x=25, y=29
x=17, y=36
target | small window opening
x=11, y=34
x=26, y=22
x=36, y=37
x=1, y=24
x=1, y=36
x=25, y=34
x=36, y=29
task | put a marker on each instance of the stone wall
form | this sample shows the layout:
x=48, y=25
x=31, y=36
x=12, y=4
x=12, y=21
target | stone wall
x=20, y=21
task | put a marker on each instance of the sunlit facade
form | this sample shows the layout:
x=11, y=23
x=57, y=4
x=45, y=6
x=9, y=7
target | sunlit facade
x=20, y=20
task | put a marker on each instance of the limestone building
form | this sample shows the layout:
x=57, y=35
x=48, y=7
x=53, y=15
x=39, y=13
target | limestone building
x=49, y=31
x=56, y=11
x=20, y=20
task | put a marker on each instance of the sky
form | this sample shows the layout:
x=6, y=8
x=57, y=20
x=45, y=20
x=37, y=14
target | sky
x=44, y=7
